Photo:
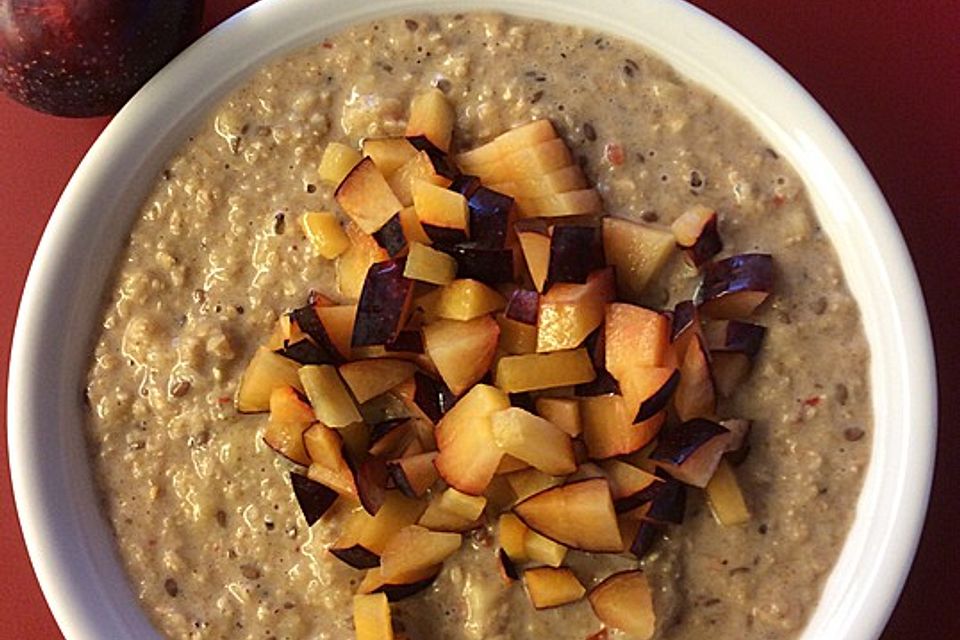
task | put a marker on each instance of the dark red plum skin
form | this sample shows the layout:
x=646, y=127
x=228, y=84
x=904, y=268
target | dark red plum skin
x=575, y=251
x=309, y=322
x=523, y=306
x=676, y=443
x=395, y=592
x=314, y=498
x=390, y=236
x=489, y=216
x=383, y=301
x=490, y=266
x=745, y=272
x=742, y=337
x=432, y=396
x=357, y=557
x=83, y=58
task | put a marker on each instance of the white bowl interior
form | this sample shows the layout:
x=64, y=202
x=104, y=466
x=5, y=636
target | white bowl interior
x=69, y=541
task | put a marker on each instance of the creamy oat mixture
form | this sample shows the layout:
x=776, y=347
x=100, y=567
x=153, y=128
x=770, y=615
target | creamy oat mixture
x=205, y=519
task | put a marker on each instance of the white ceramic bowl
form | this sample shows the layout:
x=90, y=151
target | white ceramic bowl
x=68, y=539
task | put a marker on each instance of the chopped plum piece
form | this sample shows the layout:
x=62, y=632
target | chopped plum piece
x=651, y=389
x=739, y=445
x=371, y=617
x=695, y=394
x=520, y=137
x=286, y=438
x=529, y=481
x=578, y=515
x=575, y=252
x=371, y=481
x=433, y=397
x=635, y=338
x=646, y=536
x=368, y=379
x=419, y=167
x=604, y=384
x=391, y=236
x=353, y=264
x=325, y=447
x=469, y=456
x=669, y=504
x=398, y=587
x=534, y=440
x=511, y=533
x=629, y=485
x=436, y=518
x=408, y=341
x=535, y=245
x=541, y=549
x=569, y=313
x=569, y=203
x=390, y=436
x=489, y=217
x=465, y=185
x=413, y=475
x=314, y=498
x=506, y=567
x=735, y=336
x=691, y=451
x=431, y=116
x=465, y=299
x=265, y=372
x=384, y=304
x=337, y=162
x=517, y=338
x=397, y=512
x=306, y=352
x=389, y=154
x=638, y=253
x=725, y=497
x=307, y=319
x=523, y=401
x=550, y=587
x=289, y=405
x=414, y=548
x=563, y=412
x=537, y=371
x=326, y=235
x=347, y=547
x=624, y=601
x=462, y=351
x=443, y=236
x=490, y=266
x=697, y=234
x=733, y=288
x=443, y=213
x=608, y=431
x=366, y=197
x=523, y=306
x=332, y=403
x=429, y=265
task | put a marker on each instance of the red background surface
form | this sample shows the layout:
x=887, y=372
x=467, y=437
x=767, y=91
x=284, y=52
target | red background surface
x=888, y=71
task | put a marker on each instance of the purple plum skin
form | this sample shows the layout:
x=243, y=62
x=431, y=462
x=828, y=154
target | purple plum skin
x=383, y=300
x=575, y=251
x=309, y=322
x=87, y=58
x=740, y=273
x=670, y=504
x=647, y=536
x=432, y=396
x=314, y=498
x=489, y=216
x=708, y=243
x=490, y=266
x=658, y=401
x=357, y=557
x=465, y=185
x=676, y=443
x=523, y=306
x=390, y=236
x=408, y=341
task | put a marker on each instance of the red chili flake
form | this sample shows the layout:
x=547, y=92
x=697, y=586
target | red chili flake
x=778, y=200
x=327, y=44
x=224, y=399
x=614, y=153
x=813, y=401
x=603, y=634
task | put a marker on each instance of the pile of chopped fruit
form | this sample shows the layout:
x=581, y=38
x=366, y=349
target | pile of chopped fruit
x=495, y=370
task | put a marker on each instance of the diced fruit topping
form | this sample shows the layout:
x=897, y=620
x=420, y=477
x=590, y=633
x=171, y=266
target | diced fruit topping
x=624, y=601
x=462, y=351
x=735, y=287
x=371, y=617
x=469, y=455
x=414, y=548
x=564, y=413
x=578, y=515
x=325, y=233
x=429, y=265
x=690, y=452
x=603, y=413
x=432, y=116
x=534, y=440
x=697, y=234
x=338, y=160
x=369, y=378
x=267, y=371
x=568, y=313
x=468, y=299
x=413, y=475
x=332, y=402
x=314, y=498
x=384, y=305
x=637, y=252
x=538, y=371
x=725, y=497
x=548, y=587
x=366, y=197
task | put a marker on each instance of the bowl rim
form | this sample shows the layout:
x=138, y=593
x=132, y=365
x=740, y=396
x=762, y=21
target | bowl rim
x=72, y=573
